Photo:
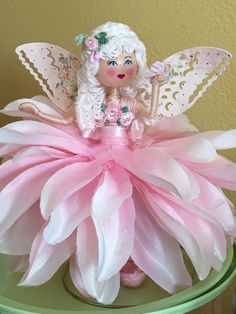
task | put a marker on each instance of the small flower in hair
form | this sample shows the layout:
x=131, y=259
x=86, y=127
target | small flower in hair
x=91, y=43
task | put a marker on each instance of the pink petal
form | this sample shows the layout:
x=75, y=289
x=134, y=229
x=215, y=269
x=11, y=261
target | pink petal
x=69, y=214
x=18, y=263
x=37, y=133
x=217, y=231
x=156, y=252
x=11, y=168
x=160, y=169
x=188, y=148
x=45, y=259
x=10, y=149
x=18, y=239
x=114, y=188
x=206, y=214
x=171, y=128
x=115, y=239
x=23, y=191
x=65, y=182
x=76, y=277
x=31, y=127
x=37, y=151
x=221, y=172
x=87, y=259
x=217, y=264
x=213, y=201
x=185, y=228
x=220, y=243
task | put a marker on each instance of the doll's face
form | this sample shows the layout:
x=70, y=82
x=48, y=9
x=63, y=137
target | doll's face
x=118, y=72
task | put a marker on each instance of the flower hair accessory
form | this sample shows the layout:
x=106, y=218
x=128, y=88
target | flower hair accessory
x=92, y=44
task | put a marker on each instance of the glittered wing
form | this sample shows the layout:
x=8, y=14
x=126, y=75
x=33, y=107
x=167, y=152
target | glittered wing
x=55, y=69
x=192, y=71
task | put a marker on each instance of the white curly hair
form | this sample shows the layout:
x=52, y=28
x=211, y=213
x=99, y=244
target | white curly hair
x=90, y=93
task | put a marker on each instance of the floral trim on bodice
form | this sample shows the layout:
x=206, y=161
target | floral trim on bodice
x=114, y=115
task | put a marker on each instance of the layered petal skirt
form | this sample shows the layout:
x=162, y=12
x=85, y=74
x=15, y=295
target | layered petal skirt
x=99, y=203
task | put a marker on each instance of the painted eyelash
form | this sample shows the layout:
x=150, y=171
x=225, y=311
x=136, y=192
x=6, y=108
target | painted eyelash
x=112, y=61
x=130, y=62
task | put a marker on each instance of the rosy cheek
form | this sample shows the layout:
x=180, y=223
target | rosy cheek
x=111, y=72
x=130, y=72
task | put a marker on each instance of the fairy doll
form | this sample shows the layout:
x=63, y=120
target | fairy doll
x=108, y=174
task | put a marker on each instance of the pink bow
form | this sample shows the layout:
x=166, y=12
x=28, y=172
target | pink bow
x=93, y=56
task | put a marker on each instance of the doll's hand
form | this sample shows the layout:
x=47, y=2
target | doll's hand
x=159, y=72
x=137, y=145
x=136, y=130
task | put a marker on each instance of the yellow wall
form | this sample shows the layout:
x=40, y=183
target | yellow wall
x=165, y=26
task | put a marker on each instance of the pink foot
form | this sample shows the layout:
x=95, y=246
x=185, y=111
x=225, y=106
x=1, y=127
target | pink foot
x=131, y=275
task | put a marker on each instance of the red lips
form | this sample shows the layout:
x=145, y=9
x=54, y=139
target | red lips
x=121, y=76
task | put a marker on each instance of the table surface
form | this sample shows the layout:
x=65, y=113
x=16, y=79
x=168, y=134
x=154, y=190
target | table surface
x=223, y=304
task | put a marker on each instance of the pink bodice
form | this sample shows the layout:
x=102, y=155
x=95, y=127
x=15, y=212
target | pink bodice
x=115, y=114
x=116, y=124
x=117, y=135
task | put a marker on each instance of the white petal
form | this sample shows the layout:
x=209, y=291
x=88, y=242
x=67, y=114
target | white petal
x=18, y=239
x=184, y=226
x=87, y=258
x=214, y=202
x=156, y=252
x=190, y=148
x=65, y=182
x=115, y=239
x=37, y=133
x=11, y=168
x=69, y=214
x=114, y=188
x=221, y=139
x=156, y=167
x=23, y=191
x=45, y=259
x=76, y=277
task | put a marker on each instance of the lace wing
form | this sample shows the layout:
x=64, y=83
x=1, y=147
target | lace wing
x=55, y=69
x=192, y=71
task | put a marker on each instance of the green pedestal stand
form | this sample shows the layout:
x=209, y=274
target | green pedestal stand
x=53, y=298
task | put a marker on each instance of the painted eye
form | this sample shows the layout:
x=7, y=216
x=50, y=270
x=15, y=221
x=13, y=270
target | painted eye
x=112, y=63
x=128, y=62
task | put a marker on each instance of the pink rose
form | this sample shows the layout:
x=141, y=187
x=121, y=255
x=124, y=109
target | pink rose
x=91, y=43
x=112, y=113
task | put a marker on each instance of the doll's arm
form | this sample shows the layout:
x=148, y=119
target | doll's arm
x=155, y=94
x=157, y=75
x=32, y=109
